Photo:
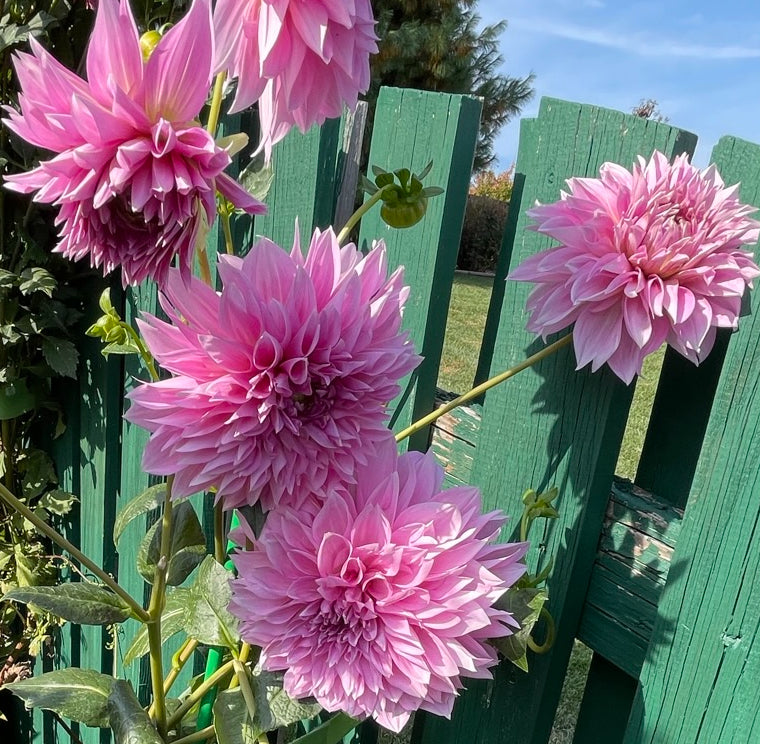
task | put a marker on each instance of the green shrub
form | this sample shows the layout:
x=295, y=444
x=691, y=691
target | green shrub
x=482, y=232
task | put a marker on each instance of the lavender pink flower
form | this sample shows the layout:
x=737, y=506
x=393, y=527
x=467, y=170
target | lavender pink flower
x=378, y=602
x=302, y=60
x=646, y=257
x=280, y=383
x=134, y=174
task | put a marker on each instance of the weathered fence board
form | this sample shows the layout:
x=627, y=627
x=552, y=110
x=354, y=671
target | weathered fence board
x=411, y=128
x=701, y=678
x=550, y=426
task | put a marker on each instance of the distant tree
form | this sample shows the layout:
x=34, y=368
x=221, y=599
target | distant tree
x=649, y=109
x=438, y=46
x=497, y=186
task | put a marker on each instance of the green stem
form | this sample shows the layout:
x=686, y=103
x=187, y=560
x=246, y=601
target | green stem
x=227, y=230
x=62, y=542
x=155, y=608
x=201, y=735
x=220, y=552
x=358, y=214
x=216, y=104
x=482, y=388
x=199, y=692
x=551, y=632
x=147, y=357
x=178, y=662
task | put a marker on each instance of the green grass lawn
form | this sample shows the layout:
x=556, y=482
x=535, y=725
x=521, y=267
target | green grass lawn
x=467, y=313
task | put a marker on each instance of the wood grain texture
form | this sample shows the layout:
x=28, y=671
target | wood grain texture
x=550, y=426
x=411, y=128
x=701, y=678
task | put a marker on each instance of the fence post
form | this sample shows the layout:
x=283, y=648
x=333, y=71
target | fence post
x=411, y=128
x=550, y=426
x=700, y=679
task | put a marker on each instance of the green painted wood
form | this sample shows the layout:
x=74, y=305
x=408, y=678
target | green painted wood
x=411, y=128
x=550, y=426
x=701, y=678
x=306, y=171
x=526, y=146
x=606, y=704
x=679, y=418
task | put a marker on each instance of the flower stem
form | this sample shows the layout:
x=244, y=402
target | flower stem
x=216, y=103
x=227, y=230
x=61, y=541
x=201, y=735
x=178, y=662
x=550, y=634
x=483, y=387
x=199, y=692
x=358, y=214
x=204, y=266
x=155, y=608
x=220, y=545
x=147, y=357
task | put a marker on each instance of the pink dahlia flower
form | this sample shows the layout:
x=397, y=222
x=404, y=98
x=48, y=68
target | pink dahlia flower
x=379, y=602
x=302, y=60
x=281, y=381
x=646, y=257
x=135, y=176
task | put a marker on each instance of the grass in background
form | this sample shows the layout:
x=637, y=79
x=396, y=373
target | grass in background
x=470, y=296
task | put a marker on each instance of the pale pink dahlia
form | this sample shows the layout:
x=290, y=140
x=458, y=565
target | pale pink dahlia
x=380, y=601
x=281, y=381
x=135, y=176
x=303, y=60
x=646, y=257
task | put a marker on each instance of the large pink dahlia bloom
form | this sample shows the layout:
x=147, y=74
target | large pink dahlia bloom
x=646, y=257
x=382, y=601
x=135, y=176
x=281, y=381
x=303, y=60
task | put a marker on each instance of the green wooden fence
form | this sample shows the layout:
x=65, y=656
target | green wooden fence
x=657, y=577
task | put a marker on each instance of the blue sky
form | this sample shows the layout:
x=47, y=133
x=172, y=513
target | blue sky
x=700, y=60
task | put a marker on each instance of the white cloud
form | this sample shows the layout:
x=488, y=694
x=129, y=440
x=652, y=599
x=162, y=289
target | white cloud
x=640, y=44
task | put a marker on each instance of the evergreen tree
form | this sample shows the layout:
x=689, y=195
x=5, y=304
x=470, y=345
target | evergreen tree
x=436, y=45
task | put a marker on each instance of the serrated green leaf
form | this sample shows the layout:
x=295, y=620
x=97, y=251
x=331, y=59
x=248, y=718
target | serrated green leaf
x=58, y=502
x=37, y=279
x=37, y=473
x=150, y=498
x=208, y=619
x=232, y=723
x=114, y=348
x=81, y=603
x=525, y=606
x=172, y=621
x=61, y=355
x=129, y=722
x=15, y=399
x=187, y=550
x=257, y=178
x=79, y=694
x=330, y=731
x=274, y=707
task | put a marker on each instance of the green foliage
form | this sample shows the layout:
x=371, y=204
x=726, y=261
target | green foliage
x=151, y=498
x=82, y=603
x=482, y=232
x=173, y=620
x=79, y=694
x=497, y=186
x=129, y=722
x=208, y=620
x=440, y=46
x=525, y=607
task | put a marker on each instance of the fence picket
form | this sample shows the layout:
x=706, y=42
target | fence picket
x=700, y=679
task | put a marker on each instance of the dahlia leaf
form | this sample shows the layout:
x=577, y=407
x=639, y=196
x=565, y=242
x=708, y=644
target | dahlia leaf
x=232, y=723
x=257, y=178
x=172, y=622
x=61, y=356
x=525, y=606
x=129, y=722
x=330, y=731
x=187, y=551
x=58, y=502
x=149, y=499
x=78, y=694
x=82, y=603
x=208, y=620
x=15, y=399
x=37, y=280
x=274, y=707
